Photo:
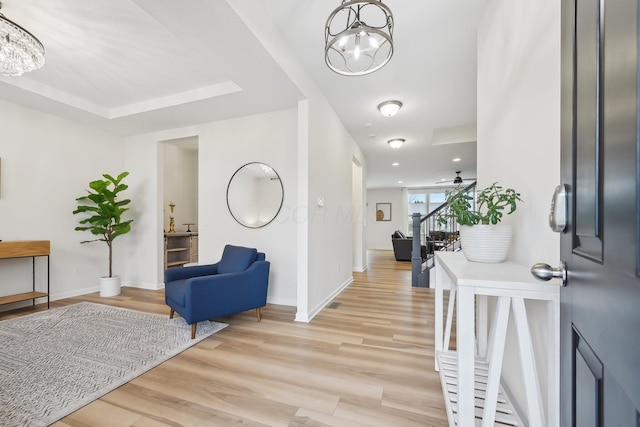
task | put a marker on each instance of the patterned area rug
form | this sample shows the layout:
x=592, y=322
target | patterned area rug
x=54, y=362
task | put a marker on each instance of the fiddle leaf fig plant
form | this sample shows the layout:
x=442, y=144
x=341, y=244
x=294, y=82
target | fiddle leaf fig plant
x=490, y=205
x=105, y=212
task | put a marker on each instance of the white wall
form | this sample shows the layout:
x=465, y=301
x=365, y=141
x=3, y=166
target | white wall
x=359, y=217
x=519, y=138
x=224, y=147
x=330, y=155
x=379, y=232
x=47, y=162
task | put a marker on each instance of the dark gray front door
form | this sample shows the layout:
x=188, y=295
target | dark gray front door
x=600, y=307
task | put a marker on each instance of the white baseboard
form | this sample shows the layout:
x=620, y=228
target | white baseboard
x=307, y=317
x=150, y=286
x=74, y=293
x=84, y=291
x=364, y=268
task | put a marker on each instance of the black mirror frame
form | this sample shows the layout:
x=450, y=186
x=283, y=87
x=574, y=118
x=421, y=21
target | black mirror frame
x=281, y=198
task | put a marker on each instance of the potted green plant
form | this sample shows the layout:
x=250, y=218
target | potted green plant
x=483, y=238
x=105, y=221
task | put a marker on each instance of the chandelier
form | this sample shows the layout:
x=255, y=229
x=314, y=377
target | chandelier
x=20, y=51
x=359, y=37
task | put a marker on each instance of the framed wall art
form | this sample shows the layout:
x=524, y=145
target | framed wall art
x=383, y=211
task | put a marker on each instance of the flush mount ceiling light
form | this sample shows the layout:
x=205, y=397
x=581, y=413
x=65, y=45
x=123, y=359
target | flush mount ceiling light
x=358, y=37
x=389, y=108
x=396, y=143
x=20, y=51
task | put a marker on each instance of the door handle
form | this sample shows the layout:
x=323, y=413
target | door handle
x=545, y=272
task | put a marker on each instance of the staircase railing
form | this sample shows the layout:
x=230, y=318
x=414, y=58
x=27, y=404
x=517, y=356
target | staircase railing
x=436, y=237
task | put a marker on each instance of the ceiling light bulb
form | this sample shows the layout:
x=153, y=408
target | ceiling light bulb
x=356, y=50
x=457, y=159
x=389, y=108
x=396, y=143
x=395, y=164
x=374, y=42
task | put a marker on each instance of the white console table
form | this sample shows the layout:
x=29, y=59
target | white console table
x=470, y=376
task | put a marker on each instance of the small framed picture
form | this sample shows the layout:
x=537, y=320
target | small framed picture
x=383, y=211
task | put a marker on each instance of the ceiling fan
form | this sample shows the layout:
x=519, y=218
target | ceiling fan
x=457, y=180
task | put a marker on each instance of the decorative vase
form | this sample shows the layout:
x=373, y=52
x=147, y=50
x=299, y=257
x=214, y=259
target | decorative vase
x=485, y=243
x=109, y=286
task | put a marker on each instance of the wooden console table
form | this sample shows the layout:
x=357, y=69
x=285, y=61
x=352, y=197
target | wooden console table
x=470, y=376
x=180, y=249
x=24, y=249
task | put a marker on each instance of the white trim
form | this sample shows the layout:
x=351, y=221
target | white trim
x=150, y=286
x=307, y=317
x=302, y=291
x=78, y=292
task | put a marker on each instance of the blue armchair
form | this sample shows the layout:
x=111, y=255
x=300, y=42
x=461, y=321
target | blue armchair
x=238, y=282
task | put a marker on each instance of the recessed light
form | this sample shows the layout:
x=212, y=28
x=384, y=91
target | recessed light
x=400, y=182
x=395, y=164
x=396, y=143
x=457, y=159
x=389, y=108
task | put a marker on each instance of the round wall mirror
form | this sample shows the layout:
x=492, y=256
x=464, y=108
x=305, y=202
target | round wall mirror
x=255, y=195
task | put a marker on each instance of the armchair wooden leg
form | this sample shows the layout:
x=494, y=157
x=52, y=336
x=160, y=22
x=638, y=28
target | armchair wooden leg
x=171, y=314
x=193, y=330
x=259, y=313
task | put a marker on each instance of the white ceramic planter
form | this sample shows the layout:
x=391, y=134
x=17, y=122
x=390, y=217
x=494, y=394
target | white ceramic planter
x=109, y=286
x=485, y=243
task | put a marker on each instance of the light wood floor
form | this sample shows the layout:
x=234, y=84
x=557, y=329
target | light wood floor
x=368, y=361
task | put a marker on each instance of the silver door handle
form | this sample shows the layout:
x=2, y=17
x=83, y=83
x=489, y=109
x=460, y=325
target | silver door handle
x=545, y=272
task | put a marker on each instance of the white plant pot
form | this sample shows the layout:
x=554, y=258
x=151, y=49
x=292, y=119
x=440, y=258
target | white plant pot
x=109, y=286
x=485, y=243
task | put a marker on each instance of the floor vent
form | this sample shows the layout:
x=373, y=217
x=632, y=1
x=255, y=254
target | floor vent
x=334, y=305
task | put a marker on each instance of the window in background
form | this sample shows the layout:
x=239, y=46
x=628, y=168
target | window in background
x=436, y=200
x=424, y=201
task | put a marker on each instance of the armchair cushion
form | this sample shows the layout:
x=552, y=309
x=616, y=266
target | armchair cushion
x=236, y=259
